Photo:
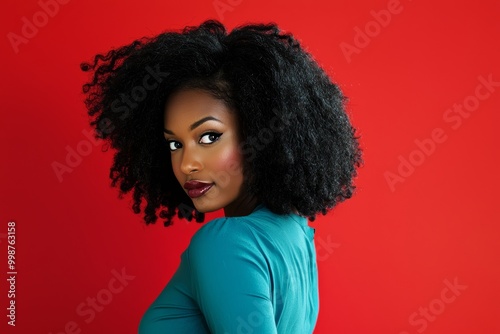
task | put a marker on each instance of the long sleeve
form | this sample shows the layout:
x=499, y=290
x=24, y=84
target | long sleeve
x=231, y=280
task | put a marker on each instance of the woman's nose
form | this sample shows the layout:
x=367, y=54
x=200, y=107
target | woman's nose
x=191, y=162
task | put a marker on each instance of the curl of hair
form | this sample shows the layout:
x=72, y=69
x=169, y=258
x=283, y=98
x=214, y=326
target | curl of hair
x=300, y=149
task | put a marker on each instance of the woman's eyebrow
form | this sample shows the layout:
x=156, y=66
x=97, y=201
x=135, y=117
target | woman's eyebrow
x=203, y=120
x=196, y=124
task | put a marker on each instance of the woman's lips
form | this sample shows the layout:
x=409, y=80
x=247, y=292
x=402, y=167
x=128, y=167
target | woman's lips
x=196, y=188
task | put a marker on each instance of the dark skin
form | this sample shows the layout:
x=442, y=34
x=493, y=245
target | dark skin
x=242, y=206
x=203, y=138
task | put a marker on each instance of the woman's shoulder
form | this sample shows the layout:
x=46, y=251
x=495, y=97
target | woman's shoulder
x=230, y=232
x=226, y=241
x=261, y=227
x=223, y=232
x=239, y=227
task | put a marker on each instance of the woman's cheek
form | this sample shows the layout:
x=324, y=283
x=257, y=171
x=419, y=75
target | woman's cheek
x=229, y=166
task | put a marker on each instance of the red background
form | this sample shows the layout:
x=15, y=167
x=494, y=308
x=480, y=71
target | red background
x=383, y=255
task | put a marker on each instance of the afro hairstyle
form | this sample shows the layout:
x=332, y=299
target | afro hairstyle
x=299, y=147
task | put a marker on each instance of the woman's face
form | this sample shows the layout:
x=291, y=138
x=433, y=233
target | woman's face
x=203, y=139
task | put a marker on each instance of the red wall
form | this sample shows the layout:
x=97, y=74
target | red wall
x=414, y=251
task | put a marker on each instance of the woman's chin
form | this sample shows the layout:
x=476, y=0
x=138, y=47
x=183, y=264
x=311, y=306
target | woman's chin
x=205, y=207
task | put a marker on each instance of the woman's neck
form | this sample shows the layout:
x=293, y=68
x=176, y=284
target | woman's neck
x=242, y=206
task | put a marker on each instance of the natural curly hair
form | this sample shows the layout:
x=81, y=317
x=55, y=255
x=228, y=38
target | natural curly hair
x=300, y=149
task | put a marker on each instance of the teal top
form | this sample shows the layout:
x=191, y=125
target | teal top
x=249, y=274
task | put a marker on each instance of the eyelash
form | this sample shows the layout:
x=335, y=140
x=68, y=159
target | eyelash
x=214, y=134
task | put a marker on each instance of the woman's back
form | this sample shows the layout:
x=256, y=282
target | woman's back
x=249, y=274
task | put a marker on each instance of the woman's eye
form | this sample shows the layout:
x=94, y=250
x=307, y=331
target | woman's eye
x=174, y=145
x=210, y=137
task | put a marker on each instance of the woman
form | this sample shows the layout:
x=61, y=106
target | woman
x=247, y=122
